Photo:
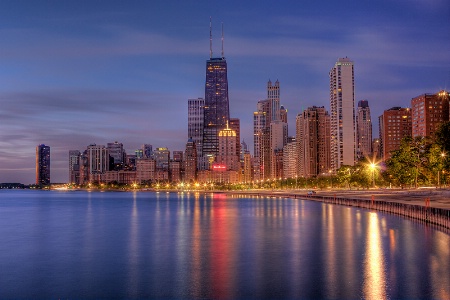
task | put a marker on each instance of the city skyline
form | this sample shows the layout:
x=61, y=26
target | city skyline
x=77, y=73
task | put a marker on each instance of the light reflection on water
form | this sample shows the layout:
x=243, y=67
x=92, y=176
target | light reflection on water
x=186, y=245
x=374, y=265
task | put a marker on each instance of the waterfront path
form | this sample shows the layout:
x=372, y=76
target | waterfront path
x=439, y=198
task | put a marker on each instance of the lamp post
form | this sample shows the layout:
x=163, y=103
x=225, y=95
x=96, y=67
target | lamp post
x=372, y=167
x=439, y=171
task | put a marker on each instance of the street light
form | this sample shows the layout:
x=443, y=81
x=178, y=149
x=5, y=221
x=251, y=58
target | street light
x=439, y=182
x=373, y=167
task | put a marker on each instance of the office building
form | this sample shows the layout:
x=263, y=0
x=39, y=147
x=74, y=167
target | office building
x=216, y=109
x=394, y=125
x=116, y=152
x=196, y=109
x=42, y=165
x=342, y=114
x=363, y=130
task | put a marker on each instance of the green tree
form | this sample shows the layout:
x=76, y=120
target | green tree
x=403, y=163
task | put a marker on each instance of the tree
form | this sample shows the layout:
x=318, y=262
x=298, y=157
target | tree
x=403, y=162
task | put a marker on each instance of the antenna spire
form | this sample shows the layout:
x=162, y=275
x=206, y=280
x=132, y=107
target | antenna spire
x=210, y=37
x=222, y=41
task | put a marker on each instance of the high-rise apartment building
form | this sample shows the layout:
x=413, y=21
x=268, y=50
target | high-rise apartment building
x=42, y=165
x=98, y=161
x=363, y=130
x=74, y=166
x=268, y=113
x=259, y=124
x=290, y=160
x=235, y=124
x=394, y=124
x=313, y=142
x=342, y=110
x=278, y=138
x=428, y=112
x=190, y=167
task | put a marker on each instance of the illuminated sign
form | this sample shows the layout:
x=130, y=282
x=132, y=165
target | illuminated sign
x=219, y=167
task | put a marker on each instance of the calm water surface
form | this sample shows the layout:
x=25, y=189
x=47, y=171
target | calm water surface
x=157, y=245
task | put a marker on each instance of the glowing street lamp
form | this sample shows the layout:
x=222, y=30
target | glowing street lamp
x=373, y=166
x=439, y=181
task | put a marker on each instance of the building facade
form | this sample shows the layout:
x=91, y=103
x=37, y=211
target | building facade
x=342, y=114
x=216, y=109
x=363, y=130
x=42, y=165
x=394, y=124
x=313, y=142
x=290, y=160
x=227, y=155
x=196, y=116
x=190, y=168
x=428, y=112
x=98, y=161
x=74, y=166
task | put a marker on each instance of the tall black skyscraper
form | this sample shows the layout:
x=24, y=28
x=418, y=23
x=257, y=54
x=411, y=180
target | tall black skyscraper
x=216, y=111
x=42, y=165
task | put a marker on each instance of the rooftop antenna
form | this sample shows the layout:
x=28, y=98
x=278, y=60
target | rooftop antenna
x=210, y=37
x=222, y=41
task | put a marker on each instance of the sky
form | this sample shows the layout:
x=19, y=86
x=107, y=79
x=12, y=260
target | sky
x=73, y=73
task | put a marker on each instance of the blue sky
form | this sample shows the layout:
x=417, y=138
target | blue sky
x=74, y=73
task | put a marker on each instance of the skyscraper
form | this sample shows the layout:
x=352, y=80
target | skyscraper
x=278, y=138
x=196, y=109
x=117, y=152
x=273, y=96
x=363, y=130
x=98, y=161
x=74, y=166
x=42, y=165
x=342, y=109
x=216, y=109
x=190, y=167
x=313, y=142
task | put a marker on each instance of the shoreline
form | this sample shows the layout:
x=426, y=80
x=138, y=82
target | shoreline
x=438, y=198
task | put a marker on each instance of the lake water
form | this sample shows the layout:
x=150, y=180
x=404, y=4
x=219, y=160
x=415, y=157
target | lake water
x=160, y=245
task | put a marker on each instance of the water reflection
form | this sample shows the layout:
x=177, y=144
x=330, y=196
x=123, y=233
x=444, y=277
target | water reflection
x=190, y=245
x=374, y=264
